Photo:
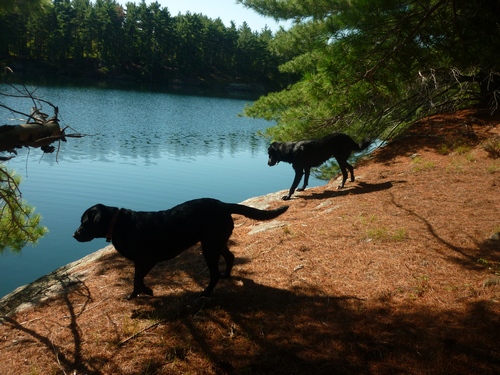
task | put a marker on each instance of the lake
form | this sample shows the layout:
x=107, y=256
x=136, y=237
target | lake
x=145, y=150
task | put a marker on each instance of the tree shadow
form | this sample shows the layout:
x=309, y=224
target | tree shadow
x=360, y=188
x=65, y=359
x=267, y=330
x=274, y=331
x=39, y=290
x=249, y=327
x=488, y=249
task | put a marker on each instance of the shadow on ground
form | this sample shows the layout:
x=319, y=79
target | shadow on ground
x=247, y=327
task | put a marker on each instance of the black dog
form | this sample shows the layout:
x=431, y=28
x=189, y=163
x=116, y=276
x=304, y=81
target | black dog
x=147, y=238
x=304, y=155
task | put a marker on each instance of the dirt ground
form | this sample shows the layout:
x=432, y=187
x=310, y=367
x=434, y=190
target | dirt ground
x=398, y=273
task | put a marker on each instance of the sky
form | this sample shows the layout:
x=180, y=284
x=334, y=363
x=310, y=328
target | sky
x=226, y=10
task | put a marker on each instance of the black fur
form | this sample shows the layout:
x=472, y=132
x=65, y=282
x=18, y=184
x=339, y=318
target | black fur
x=306, y=154
x=147, y=238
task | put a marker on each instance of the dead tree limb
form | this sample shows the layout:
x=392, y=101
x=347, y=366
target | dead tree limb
x=29, y=135
x=38, y=131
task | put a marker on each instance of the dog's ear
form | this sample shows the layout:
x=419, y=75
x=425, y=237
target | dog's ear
x=100, y=211
x=273, y=146
x=93, y=214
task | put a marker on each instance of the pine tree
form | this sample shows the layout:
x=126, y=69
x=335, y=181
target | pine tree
x=370, y=67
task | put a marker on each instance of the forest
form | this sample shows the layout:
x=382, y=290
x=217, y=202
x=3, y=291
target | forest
x=138, y=42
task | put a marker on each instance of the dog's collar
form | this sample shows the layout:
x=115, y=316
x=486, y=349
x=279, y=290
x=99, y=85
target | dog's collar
x=112, y=226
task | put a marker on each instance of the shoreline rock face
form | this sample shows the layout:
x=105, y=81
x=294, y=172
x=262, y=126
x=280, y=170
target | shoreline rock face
x=50, y=285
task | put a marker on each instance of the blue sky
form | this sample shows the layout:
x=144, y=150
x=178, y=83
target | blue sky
x=226, y=10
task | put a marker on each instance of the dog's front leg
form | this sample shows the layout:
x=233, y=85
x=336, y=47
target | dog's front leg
x=306, y=179
x=344, y=174
x=298, y=175
x=141, y=270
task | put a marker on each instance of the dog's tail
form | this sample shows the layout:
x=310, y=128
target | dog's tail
x=255, y=213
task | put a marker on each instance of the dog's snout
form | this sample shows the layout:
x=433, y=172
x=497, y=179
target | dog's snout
x=79, y=236
x=271, y=162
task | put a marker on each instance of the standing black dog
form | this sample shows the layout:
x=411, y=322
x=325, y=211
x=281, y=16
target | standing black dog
x=147, y=238
x=304, y=155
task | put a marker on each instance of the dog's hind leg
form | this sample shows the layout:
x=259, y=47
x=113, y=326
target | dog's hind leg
x=211, y=253
x=351, y=169
x=306, y=179
x=344, y=166
x=229, y=258
x=141, y=270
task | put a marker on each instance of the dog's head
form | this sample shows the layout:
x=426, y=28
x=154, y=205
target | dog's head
x=273, y=152
x=94, y=223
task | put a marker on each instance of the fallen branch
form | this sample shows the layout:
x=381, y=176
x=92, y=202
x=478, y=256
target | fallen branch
x=29, y=135
x=141, y=331
x=38, y=131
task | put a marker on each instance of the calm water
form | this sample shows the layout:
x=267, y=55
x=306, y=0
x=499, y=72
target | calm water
x=147, y=151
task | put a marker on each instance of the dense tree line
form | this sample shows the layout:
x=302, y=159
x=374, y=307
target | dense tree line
x=104, y=39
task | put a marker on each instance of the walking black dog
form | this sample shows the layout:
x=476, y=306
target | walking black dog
x=306, y=154
x=147, y=238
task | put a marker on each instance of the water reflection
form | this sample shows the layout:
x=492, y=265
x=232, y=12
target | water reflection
x=148, y=125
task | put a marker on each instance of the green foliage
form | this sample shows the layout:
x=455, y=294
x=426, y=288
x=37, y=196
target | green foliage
x=492, y=147
x=370, y=67
x=19, y=225
x=420, y=165
x=326, y=171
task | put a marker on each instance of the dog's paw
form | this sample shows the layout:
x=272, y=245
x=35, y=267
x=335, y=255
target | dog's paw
x=144, y=290
x=300, y=189
x=204, y=294
x=285, y=197
x=131, y=296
